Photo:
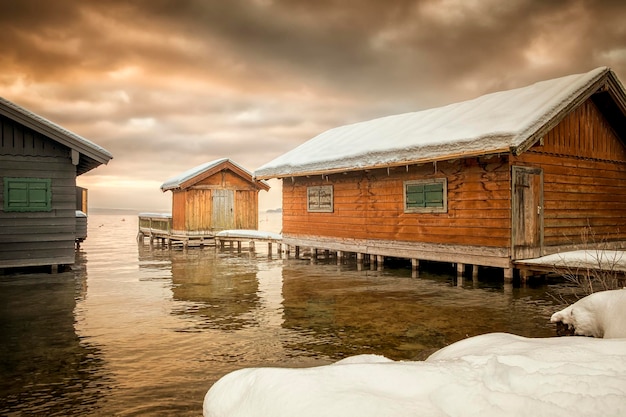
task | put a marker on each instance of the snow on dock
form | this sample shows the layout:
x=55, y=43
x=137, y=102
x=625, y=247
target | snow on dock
x=577, y=261
x=237, y=236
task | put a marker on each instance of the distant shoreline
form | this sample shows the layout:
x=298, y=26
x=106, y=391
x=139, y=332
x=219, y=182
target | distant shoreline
x=100, y=210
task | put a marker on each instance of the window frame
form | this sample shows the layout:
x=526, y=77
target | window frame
x=316, y=191
x=423, y=182
x=38, y=205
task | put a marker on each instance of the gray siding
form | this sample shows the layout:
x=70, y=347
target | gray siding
x=37, y=238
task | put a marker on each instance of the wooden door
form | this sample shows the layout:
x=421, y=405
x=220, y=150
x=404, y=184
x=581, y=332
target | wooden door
x=527, y=212
x=223, y=210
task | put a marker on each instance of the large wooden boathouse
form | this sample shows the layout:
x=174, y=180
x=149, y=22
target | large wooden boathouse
x=39, y=163
x=492, y=181
x=215, y=196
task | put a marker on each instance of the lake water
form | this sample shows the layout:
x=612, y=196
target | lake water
x=134, y=331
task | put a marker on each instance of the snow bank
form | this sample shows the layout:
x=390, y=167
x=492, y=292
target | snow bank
x=495, y=374
x=490, y=375
x=601, y=314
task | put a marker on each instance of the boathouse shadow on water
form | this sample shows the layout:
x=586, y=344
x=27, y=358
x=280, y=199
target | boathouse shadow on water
x=217, y=290
x=46, y=368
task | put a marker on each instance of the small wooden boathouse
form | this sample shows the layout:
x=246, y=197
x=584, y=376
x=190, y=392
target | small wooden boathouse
x=493, y=181
x=39, y=163
x=206, y=199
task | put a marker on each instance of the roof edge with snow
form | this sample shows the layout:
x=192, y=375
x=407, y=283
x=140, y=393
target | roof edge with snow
x=94, y=155
x=502, y=122
x=203, y=171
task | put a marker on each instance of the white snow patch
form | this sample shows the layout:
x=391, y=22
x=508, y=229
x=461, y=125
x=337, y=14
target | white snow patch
x=490, y=375
x=249, y=234
x=608, y=259
x=601, y=314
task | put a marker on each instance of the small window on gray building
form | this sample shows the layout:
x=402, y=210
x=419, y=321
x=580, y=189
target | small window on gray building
x=426, y=196
x=320, y=199
x=27, y=194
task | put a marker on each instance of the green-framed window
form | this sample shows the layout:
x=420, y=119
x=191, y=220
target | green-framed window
x=27, y=194
x=426, y=196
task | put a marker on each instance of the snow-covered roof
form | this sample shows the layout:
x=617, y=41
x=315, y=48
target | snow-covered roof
x=191, y=176
x=501, y=122
x=92, y=155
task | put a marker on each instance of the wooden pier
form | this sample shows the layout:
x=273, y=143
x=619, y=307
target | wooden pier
x=157, y=227
x=238, y=236
x=587, y=262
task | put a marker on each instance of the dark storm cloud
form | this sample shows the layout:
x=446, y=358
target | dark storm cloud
x=169, y=84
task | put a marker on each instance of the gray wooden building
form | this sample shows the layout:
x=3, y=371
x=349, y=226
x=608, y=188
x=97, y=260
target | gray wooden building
x=39, y=163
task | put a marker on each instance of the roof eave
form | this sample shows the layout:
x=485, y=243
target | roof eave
x=340, y=170
x=226, y=164
x=96, y=153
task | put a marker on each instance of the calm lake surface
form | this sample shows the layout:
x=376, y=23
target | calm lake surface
x=134, y=331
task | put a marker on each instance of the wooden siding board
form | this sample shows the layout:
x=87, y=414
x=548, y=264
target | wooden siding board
x=39, y=238
x=194, y=209
x=584, y=165
x=370, y=205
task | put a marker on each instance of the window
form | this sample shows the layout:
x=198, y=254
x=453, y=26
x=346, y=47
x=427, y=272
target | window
x=27, y=194
x=426, y=196
x=320, y=199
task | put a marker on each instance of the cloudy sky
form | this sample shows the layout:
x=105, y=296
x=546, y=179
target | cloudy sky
x=166, y=85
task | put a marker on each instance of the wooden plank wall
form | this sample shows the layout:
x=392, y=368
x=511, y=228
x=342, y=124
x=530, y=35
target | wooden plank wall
x=192, y=208
x=246, y=209
x=369, y=205
x=584, y=165
x=37, y=238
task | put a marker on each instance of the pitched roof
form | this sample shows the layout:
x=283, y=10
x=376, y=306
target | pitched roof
x=91, y=155
x=501, y=122
x=197, y=174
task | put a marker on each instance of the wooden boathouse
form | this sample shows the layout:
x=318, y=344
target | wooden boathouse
x=493, y=181
x=39, y=163
x=215, y=196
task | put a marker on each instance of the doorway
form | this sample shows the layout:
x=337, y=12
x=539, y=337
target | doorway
x=527, y=212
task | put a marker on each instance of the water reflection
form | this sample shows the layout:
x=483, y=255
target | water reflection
x=46, y=368
x=220, y=292
x=140, y=331
x=386, y=312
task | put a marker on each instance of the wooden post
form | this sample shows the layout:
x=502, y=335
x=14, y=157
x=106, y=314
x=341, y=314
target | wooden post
x=508, y=275
x=380, y=261
x=297, y=250
x=339, y=257
x=415, y=267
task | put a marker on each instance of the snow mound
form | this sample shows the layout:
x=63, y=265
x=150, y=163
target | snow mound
x=601, y=314
x=490, y=375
